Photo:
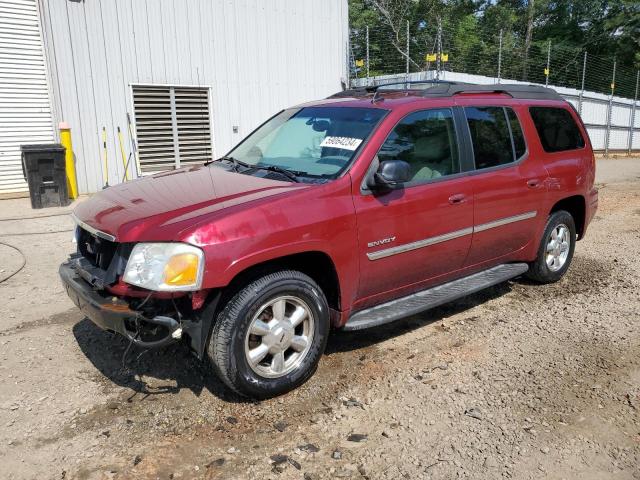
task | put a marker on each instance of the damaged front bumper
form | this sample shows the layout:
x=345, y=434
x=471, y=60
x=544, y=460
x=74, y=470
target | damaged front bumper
x=116, y=315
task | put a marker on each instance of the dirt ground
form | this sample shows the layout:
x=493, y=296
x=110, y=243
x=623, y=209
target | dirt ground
x=520, y=381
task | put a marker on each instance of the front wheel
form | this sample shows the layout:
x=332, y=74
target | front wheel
x=269, y=337
x=556, y=249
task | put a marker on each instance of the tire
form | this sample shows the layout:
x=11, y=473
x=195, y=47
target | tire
x=547, y=268
x=234, y=335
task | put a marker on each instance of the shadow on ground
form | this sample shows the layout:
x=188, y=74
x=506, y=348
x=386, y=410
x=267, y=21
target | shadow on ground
x=348, y=341
x=127, y=366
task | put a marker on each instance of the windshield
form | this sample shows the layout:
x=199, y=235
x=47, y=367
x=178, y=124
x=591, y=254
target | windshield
x=312, y=141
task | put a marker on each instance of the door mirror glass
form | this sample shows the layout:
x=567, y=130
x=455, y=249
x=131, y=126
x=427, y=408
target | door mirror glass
x=390, y=173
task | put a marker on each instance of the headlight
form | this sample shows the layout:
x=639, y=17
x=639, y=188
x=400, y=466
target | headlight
x=167, y=267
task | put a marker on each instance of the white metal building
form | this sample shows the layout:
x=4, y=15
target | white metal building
x=195, y=76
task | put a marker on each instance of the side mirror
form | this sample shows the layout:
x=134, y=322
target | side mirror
x=390, y=173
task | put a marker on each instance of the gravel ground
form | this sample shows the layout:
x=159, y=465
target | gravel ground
x=520, y=381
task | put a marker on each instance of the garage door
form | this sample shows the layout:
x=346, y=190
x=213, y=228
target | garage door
x=25, y=115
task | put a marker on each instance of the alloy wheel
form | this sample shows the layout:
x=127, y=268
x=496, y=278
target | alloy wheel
x=558, y=246
x=280, y=336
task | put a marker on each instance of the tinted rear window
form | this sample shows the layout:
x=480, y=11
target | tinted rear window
x=556, y=128
x=490, y=136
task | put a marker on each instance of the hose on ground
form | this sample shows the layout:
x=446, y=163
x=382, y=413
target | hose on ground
x=34, y=233
x=34, y=217
x=24, y=261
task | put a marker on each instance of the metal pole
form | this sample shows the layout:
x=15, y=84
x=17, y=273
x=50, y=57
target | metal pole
x=367, y=54
x=348, y=63
x=608, y=131
x=584, y=69
x=407, y=49
x=546, y=81
x=439, y=55
x=633, y=116
x=500, y=56
x=351, y=61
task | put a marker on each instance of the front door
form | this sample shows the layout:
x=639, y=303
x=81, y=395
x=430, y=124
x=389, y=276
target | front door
x=422, y=230
x=509, y=184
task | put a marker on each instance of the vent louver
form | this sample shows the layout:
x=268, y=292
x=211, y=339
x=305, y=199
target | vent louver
x=172, y=126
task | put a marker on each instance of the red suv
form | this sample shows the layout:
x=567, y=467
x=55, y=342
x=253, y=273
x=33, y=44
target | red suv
x=349, y=212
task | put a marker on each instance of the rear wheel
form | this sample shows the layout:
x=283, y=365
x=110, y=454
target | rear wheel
x=556, y=249
x=269, y=337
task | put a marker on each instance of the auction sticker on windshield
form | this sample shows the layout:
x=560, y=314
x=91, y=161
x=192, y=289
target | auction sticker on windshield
x=346, y=143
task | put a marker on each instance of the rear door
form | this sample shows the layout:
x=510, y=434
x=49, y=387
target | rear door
x=509, y=185
x=421, y=230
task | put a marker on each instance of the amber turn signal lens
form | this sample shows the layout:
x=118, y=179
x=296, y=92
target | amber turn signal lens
x=181, y=269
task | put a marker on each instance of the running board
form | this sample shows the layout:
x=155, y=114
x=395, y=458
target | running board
x=433, y=297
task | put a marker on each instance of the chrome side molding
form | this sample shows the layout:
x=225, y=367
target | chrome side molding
x=387, y=252
x=407, y=247
x=504, y=221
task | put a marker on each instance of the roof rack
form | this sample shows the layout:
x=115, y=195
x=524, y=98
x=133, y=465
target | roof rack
x=368, y=89
x=439, y=88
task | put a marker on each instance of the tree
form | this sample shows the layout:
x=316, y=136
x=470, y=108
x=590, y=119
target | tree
x=623, y=21
x=527, y=39
x=607, y=29
x=396, y=14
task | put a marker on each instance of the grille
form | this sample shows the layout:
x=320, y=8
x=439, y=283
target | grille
x=98, y=251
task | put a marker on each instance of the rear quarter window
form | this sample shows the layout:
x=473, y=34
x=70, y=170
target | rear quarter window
x=519, y=145
x=556, y=128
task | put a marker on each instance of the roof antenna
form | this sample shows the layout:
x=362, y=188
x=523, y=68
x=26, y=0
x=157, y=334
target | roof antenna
x=375, y=97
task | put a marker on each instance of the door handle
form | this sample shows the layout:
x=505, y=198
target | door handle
x=457, y=199
x=533, y=183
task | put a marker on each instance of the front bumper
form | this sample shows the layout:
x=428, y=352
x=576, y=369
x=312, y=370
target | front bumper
x=115, y=315
x=109, y=313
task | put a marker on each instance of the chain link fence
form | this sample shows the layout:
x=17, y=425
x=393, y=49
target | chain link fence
x=603, y=91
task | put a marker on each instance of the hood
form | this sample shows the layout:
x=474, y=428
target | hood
x=158, y=207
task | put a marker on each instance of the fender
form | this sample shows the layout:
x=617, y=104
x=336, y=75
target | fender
x=241, y=264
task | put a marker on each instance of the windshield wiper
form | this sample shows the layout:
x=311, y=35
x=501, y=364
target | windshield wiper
x=290, y=174
x=236, y=163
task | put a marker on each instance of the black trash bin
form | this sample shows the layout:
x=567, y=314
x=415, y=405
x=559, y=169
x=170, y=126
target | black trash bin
x=43, y=167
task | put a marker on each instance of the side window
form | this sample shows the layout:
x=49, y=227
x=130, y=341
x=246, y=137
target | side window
x=519, y=145
x=556, y=128
x=426, y=140
x=490, y=136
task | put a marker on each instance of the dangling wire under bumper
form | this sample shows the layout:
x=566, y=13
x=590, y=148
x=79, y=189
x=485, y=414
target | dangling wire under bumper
x=114, y=314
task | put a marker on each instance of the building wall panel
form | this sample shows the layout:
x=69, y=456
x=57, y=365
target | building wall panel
x=257, y=57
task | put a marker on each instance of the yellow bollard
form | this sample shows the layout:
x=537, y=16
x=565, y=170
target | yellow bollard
x=70, y=167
